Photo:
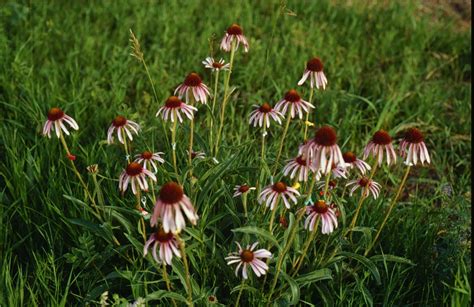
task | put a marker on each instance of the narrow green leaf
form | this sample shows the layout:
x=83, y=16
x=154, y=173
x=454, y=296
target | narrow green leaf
x=367, y=263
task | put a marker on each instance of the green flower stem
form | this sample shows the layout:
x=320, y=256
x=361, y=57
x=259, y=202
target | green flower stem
x=168, y=283
x=300, y=259
x=142, y=59
x=84, y=186
x=125, y=146
x=240, y=293
x=311, y=92
x=186, y=269
x=392, y=205
x=226, y=94
x=272, y=218
x=173, y=143
x=214, y=98
x=244, y=203
x=362, y=198
x=289, y=242
x=191, y=138
x=282, y=143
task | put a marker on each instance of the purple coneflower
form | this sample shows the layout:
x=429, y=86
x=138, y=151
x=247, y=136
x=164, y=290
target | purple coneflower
x=413, y=147
x=366, y=185
x=293, y=101
x=323, y=150
x=298, y=167
x=174, y=107
x=351, y=161
x=262, y=114
x=196, y=154
x=135, y=174
x=149, y=157
x=248, y=257
x=234, y=32
x=56, y=119
x=314, y=70
x=166, y=244
x=124, y=128
x=381, y=142
x=214, y=65
x=242, y=189
x=271, y=194
x=171, y=204
x=325, y=212
x=193, y=83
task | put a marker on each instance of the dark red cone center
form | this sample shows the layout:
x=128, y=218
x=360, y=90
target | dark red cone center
x=173, y=102
x=244, y=188
x=217, y=65
x=279, y=187
x=147, y=155
x=192, y=79
x=265, y=108
x=301, y=161
x=234, y=29
x=382, y=137
x=162, y=236
x=292, y=96
x=246, y=255
x=315, y=64
x=55, y=114
x=119, y=121
x=363, y=181
x=320, y=207
x=414, y=135
x=171, y=193
x=134, y=169
x=349, y=157
x=326, y=136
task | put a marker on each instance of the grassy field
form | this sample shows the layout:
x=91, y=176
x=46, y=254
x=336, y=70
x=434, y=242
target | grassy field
x=389, y=66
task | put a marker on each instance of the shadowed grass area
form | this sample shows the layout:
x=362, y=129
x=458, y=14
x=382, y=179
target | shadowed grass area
x=388, y=66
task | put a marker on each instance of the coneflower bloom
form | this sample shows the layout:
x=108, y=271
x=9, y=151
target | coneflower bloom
x=196, y=154
x=242, y=189
x=171, y=204
x=135, y=174
x=262, y=114
x=123, y=127
x=323, y=150
x=272, y=193
x=321, y=185
x=248, y=257
x=298, y=167
x=149, y=157
x=174, y=107
x=351, y=161
x=381, y=142
x=414, y=148
x=215, y=65
x=56, y=119
x=366, y=185
x=234, y=32
x=314, y=70
x=325, y=212
x=192, y=85
x=293, y=101
x=166, y=244
x=339, y=171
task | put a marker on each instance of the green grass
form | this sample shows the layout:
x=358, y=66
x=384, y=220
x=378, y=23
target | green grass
x=388, y=67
